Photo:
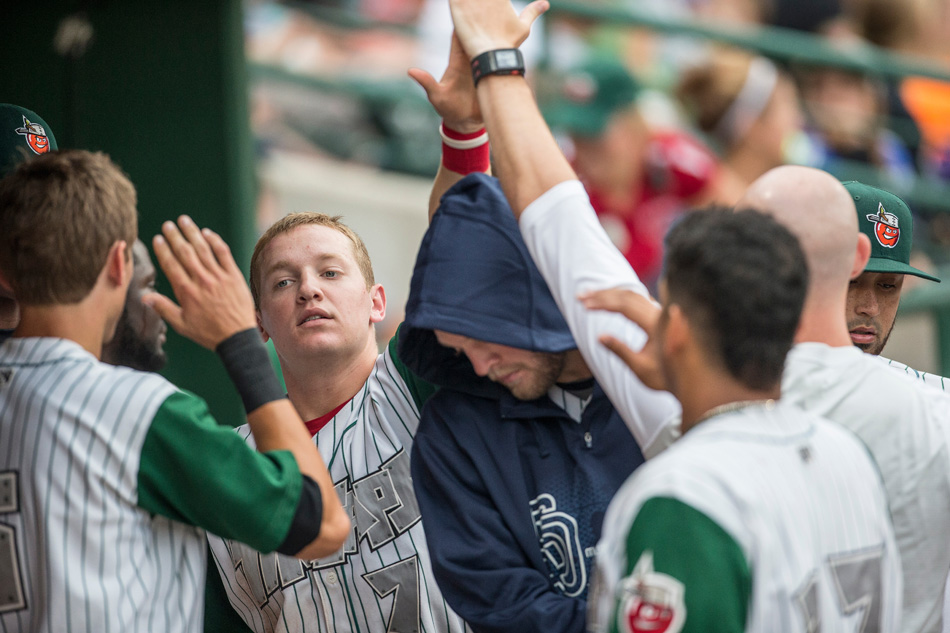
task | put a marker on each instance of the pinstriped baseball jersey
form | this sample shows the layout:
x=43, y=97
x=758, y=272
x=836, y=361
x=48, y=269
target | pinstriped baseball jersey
x=76, y=553
x=906, y=427
x=934, y=380
x=792, y=510
x=382, y=579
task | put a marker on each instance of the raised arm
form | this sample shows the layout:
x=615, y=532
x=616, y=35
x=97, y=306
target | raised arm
x=453, y=98
x=560, y=228
x=216, y=311
x=527, y=158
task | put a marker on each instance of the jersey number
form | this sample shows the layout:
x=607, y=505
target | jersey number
x=857, y=582
x=402, y=579
x=11, y=578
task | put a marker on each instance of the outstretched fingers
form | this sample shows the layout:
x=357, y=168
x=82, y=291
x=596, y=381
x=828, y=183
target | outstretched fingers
x=633, y=305
x=645, y=313
x=628, y=356
x=170, y=312
x=222, y=252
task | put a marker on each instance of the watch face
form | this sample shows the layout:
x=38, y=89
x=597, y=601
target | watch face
x=507, y=59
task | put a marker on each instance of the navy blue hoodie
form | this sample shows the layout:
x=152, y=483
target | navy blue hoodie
x=512, y=492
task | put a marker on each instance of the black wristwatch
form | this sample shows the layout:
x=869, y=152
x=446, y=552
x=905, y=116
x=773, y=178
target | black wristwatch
x=501, y=61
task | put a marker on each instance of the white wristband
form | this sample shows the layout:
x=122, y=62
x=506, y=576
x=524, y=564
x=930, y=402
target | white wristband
x=471, y=143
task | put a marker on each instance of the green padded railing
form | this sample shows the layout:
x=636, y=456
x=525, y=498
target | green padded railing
x=778, y=43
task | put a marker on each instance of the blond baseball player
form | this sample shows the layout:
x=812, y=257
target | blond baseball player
x=317, y=301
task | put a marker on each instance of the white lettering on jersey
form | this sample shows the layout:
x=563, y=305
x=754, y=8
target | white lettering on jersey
x=381, y=507
x=12, y=597
x=560, y=545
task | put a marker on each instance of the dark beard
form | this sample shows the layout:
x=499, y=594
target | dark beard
x=132, y=351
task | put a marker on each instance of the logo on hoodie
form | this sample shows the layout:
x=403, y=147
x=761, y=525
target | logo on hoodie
x=886, y=228
x=560, y=545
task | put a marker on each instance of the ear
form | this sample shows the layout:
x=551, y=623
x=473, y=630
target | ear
x=260, y=326
x=861, y=255
x=678, y=332
x=118, y=266
x=378, y=297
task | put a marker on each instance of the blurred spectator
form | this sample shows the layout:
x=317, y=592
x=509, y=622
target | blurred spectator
x=639, y=179
x=920, y=28
x=848, y=114
x=750, y=113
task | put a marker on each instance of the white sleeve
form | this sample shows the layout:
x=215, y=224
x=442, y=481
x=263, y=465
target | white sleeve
x=574, y=255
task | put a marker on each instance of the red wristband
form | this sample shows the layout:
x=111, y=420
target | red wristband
x=465, y=153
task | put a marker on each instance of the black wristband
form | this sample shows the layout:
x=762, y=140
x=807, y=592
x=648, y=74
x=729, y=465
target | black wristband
x=501, y=61
x=248, y=364
x=305, y=527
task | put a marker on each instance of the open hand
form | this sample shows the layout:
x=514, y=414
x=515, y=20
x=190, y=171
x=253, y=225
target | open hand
x=484, y=25
x=645, y=313
x=213, y=297
x=453, y=97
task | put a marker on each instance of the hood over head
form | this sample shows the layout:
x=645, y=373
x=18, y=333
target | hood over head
x=474, y=277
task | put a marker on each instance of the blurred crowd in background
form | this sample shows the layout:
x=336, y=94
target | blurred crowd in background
x=652, y=123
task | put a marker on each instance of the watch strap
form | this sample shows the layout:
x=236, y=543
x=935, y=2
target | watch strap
x=501, y=61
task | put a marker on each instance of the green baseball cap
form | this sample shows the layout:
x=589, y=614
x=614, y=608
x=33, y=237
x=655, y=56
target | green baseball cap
x=23, y=133
x=888, y=223
x=584, y=98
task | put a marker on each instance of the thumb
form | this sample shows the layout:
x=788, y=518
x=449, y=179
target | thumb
x=166, y=308
x=533, y=11
x=424, y=79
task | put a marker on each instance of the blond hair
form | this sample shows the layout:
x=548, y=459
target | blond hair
x=295, y=220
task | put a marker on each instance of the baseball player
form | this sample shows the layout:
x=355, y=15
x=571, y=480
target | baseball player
x=317, y=300
x=653, y=418
x=726, y=530
x=874, y=295
x=904, y=423
x=109, y=475
x=139, y=343
x=520, y=451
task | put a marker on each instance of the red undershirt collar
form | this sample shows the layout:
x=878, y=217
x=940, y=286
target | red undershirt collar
x=316, y=424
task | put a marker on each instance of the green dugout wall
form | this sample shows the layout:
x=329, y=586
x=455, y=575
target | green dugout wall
x=161, y=87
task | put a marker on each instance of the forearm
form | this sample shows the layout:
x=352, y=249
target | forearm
x=444, y=179
x=277, y=426
x=527, y=159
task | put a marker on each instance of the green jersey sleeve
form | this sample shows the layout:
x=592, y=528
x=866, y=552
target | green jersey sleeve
x=419, y=389
x=198, y=472
x=683, y=573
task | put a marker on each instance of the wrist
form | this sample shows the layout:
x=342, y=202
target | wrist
x=247, y=362
x=465, y=152
x=500, y=61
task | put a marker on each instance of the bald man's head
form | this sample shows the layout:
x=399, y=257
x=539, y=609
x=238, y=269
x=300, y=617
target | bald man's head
x=819, y=211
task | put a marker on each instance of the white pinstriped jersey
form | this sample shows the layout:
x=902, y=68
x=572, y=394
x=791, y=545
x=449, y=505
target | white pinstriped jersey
x=382, y=580
x=76, y=554
x=934, y=380
x=906, y=427
x=799, y=497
